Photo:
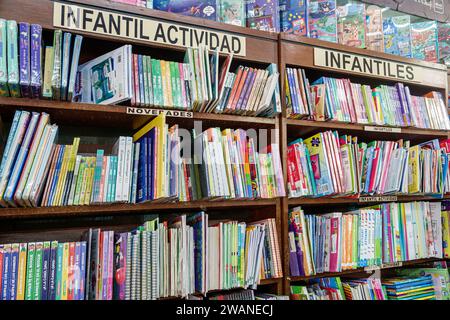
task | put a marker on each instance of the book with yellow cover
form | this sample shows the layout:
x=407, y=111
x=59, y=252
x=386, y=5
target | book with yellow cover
x=62, y=175
x=21, y=273
x=159, y=124
x=446, y=233
x=65, y=271
x=48, y=69
x=414, y=170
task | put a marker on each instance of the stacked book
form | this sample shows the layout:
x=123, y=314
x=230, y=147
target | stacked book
x=327, y=164
x=364, y=289
x=36, y=171
x=43, y=271
x=331, y=99
x=368, y=237
x=410, y=288
x=319, y=289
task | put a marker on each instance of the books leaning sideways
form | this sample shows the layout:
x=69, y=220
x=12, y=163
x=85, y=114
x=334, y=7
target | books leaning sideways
x=329, y=164
x=187, y=255
x=368, y=237
x=36, y=171
x=331, y=99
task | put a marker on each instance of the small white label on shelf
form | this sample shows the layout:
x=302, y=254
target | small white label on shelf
x=383, y=266
x=114, y=24
x=378, y=199
x=382, y=129
x=155, y=112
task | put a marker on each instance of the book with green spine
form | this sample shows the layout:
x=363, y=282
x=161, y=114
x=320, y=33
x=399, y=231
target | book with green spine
x=38, y=270
x=48, y=71
x=148, y=60
x=79, y=184
x=29, y=284
x=59, y=266
x=158, y=98
x=13, y=58
x=145, y=78
x=4, y=90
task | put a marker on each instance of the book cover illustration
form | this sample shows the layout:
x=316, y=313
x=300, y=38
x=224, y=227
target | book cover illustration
x=232, y=12
x=322, y=20
x=102, y=82
x=351, y=27
x=263, y=15
x=424, y=41
x=444, y=43
x=397, y=35
x=206, y=9
x=293, y=17
x=374, y=29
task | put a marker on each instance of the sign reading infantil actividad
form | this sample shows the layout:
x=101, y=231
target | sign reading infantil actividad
x=87, y=19
x=367, y=65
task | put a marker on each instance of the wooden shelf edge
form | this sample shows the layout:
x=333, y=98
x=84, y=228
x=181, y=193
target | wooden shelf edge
x=329, y=200
x=65, y=106
x=112, y=209
x=360, y=270
x=360, y=127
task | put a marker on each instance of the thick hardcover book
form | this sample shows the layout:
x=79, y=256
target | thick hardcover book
x=24, y=56
x=36, y=60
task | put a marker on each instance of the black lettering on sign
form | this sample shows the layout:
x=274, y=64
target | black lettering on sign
x=159, y=35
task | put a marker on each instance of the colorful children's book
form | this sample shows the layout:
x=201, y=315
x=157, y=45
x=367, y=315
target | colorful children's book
x=4, y=91
x=424, y=42
x=351, y=25
x=397, y=35
x=444, y=44
x=293, y=17
x=206, y=9
x=263, y=15
x=322, y=20
x=232, y=12
x=13, y=58
x=374, y=28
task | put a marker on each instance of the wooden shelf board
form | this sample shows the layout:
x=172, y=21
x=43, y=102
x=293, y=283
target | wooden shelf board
x=329, y=200
x=113, y=209
x=359, y=270
x=116, y=115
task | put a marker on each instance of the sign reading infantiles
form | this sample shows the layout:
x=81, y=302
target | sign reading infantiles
x=111, y=23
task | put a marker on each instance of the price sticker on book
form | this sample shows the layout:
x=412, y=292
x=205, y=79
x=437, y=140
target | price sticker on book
x=382, y=129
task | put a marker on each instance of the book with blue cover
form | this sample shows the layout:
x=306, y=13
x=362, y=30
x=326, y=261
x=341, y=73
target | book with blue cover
x=24, y=57
x=206, y=9
x=397, y=35
x=294, y=17
x=322, y=20
x=424, y=41
x=36, y=60
x=263, y=15
x=444, y=44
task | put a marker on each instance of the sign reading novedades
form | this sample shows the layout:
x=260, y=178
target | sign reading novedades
x=367, y=65
x=110, y=23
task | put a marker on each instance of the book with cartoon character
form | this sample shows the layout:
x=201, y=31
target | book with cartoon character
x=293, y=17
x=206, y=9
x=374, y=28
x=322, y=20
x=444, y=43
x=397, y=35
x=351, y=25
x=232, y=12
x=263, y=15
x=424, y=42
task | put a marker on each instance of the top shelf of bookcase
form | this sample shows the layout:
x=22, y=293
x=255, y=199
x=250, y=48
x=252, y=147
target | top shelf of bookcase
x=300, y=51
x=261, y=46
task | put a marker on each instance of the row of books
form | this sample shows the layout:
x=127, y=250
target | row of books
x=36, y=171
x=184, y=256
x=331, y=99
x=43, y=271
x=428, y=283
x=351, y=23
x=386, y=233
x=199, y=85
x=22, y=69
x=327, y=164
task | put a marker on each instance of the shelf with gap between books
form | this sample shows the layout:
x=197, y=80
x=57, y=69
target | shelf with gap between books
x=38, y=172
x=365, y=239
x=198, y=83
x=172, y=258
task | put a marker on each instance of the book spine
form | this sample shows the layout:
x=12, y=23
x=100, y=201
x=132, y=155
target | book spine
x=14, y=271
x=45, y=271
x=13, y=63
x=48, y=71
x=21, y=273
x=65, y=271
x=57, y=65
x=37, y=281
x=76, y=272
x=24, y=56
x=30, y=272
x=4, y=90
x=5, y=293
x=36, y=60
x=52, y=270
x=83, y=268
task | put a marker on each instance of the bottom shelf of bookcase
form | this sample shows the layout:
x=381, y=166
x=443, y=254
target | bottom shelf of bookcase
x=364, y=270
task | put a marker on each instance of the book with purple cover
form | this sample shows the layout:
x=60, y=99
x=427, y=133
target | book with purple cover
x=24, y=59
x=263, y=15
x=36, y=60
x=206, y=9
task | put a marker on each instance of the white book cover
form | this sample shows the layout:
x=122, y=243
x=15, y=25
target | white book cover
x=119, y=150
x=127, y=169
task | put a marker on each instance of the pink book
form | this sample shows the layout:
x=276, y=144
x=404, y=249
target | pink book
x=386, y=160
x=110, y=264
